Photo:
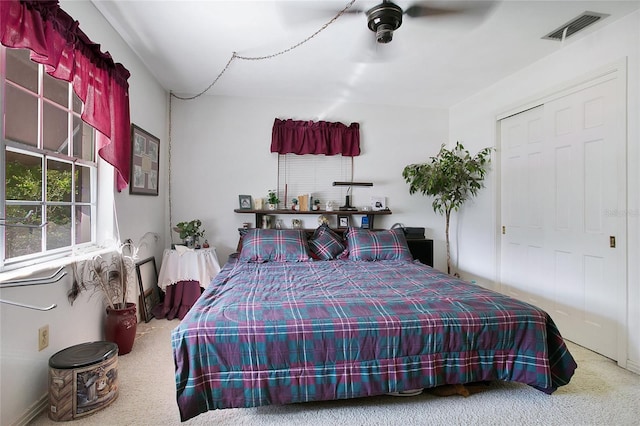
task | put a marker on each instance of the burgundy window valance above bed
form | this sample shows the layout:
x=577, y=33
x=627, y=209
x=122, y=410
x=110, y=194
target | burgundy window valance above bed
x=311, y=137
x=56, y=41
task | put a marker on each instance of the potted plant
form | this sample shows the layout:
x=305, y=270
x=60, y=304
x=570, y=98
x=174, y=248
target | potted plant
x=273, y=200
x=190, y=232
x=109, y=275
x=451, y=177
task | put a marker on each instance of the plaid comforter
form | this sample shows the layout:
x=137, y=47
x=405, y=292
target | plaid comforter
x=278, y=333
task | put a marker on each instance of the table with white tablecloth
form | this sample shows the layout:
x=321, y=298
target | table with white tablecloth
x=184, y=273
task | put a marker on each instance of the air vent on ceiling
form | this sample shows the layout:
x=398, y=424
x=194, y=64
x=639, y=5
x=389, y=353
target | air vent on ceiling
x=575, y=25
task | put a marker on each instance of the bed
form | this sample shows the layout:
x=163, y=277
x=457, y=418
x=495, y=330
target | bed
x=294, y=319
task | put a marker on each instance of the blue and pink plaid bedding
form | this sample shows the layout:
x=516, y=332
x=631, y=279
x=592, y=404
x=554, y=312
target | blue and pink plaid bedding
x=279, y=333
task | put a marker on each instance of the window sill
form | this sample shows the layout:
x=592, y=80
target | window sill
x=35, y=267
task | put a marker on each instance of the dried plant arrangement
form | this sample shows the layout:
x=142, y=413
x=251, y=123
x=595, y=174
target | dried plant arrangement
x=107, y=274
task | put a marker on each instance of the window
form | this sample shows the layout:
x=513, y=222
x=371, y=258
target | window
x=313, y=174
x=49, y=166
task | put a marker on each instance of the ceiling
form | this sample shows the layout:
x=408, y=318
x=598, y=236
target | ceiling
x=434, y=61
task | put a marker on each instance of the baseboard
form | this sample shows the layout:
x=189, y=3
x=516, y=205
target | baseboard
x=633, y=367
x=34, y=411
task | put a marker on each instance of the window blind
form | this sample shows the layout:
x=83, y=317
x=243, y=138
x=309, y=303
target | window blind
x=313, y=174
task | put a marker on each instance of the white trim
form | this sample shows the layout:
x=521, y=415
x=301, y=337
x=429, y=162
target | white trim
x=593, y=78
x=34, y=411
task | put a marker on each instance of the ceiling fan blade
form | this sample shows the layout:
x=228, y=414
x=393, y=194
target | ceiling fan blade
x=304, y=13
x=433, y=9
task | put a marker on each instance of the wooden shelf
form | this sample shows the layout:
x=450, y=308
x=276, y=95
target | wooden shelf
x=369, y=213
x=318, y=212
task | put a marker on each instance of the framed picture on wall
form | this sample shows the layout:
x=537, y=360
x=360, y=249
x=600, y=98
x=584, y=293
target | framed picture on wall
x=145, y=162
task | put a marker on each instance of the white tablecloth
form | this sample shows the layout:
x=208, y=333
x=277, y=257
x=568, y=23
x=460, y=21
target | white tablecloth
x=183, y=264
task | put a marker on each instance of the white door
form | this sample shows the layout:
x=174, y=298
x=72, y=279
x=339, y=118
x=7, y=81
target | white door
x=562, y=182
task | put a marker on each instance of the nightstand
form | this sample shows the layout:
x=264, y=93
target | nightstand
x=421, y=249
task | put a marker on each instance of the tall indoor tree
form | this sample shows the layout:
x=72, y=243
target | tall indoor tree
x=451, y=178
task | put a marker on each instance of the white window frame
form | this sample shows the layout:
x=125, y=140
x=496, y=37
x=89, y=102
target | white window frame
x=103, y=230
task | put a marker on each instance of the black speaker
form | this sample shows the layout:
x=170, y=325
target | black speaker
x=422, y=250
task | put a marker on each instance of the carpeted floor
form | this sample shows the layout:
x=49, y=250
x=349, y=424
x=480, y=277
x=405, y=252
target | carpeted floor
x=600, y=393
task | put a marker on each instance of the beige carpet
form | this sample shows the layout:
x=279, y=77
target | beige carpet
x=600, y=393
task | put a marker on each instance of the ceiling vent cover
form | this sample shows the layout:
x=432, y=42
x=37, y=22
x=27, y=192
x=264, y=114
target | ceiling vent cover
x=577, y=24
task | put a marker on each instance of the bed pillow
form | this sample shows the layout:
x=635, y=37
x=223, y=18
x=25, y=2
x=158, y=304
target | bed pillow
x=274, y=245
x=389, y=244
x=325, y=244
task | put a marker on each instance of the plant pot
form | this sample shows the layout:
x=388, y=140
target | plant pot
x=120, y=327
x=272, y=206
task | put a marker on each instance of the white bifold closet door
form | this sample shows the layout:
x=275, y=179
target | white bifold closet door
x=562, y=191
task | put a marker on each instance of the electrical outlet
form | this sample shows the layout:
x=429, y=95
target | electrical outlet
x=43, y=337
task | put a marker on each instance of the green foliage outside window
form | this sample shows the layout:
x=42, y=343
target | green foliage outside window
x=24, y=184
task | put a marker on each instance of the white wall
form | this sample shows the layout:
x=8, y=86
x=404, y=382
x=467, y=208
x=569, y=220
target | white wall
x=23, y=370
x=474, y=122
x=221, y=148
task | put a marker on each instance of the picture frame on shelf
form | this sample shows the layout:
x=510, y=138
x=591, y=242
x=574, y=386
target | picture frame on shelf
x=244, y=202
x=378, y=203
x=145, y=162
x=343, y=221
x=364, y=222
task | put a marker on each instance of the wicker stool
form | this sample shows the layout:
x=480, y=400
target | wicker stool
x=82, y=380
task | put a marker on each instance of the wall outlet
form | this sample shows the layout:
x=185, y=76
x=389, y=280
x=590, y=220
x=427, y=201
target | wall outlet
x=43, y=337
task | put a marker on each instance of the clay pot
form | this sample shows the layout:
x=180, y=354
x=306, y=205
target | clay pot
x=121, y=326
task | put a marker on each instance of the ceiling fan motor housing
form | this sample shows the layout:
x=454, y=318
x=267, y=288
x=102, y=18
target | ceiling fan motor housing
x=384, y=19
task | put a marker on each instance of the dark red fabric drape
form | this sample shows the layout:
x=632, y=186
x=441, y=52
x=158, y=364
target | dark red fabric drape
x=309, y=137
x=67, y=53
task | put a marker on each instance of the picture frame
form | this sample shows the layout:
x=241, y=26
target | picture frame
x=145, y=162
x=343, y=221
x=244, y=202
x=364, y=222
x=148, y=283
x=378, y=203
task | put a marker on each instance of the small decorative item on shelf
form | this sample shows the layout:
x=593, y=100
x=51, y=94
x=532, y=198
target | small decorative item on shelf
x=267, y=221
x=329, y=206
x=316, y=205
x=364, y=224
x=279, y=224
x=296, y=223
x=294, y=204
x=257, y=203
x=190, y=232
x=323, y=220
x=273, y=200
x=205, y=244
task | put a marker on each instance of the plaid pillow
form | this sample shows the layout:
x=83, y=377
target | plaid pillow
x=325, y=244
x=274, y=245
x=390, y=244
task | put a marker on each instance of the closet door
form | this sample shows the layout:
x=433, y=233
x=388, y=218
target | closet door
x=562, y=194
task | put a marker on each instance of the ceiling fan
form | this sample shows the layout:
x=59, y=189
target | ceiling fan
x=386, y=17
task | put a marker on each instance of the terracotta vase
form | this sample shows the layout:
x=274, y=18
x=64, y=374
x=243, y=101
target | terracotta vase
x=121, y=326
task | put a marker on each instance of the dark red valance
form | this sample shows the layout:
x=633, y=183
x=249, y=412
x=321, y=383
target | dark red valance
x=309, y=137
x=56, y=41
